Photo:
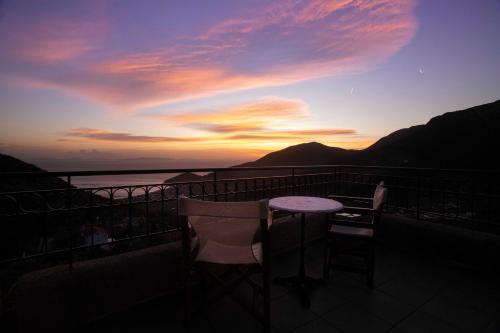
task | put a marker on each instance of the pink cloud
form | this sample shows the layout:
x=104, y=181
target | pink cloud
x=51, y=40
x=282, y=43
x=259, y=120
x=256, y=114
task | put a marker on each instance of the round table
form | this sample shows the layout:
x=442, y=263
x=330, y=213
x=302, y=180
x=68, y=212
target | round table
x=303, y=205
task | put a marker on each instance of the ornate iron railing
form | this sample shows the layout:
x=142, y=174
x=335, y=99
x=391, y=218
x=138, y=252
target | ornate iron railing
x=58, y=220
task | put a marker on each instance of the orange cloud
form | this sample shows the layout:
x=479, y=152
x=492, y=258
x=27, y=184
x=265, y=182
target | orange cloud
x=296, y=135
x=253, y=123
x=256, y=121
x=250, y=116
x=104, y=135
x=299, y=135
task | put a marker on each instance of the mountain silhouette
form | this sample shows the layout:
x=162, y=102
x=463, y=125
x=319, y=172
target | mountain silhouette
x=185, y=177
x=12, y=164
x=312, y=153
x=459, y=139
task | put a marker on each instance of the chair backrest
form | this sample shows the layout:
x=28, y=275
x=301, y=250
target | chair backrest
x=379, y=196
x=226, y=231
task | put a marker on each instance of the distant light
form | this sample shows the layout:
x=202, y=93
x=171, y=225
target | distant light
x=421, y=71
x=352, y=91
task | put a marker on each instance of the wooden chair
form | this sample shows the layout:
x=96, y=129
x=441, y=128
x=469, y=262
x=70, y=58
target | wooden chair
x=355, y=224
x=234, y=235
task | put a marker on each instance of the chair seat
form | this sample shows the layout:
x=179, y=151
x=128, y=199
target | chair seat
x=352, y=231
x=219, y=253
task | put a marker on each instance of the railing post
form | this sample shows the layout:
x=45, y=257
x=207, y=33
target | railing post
x=163, y=218
x=177, y=221
x=334, y=183
x=418, y=194
x=69, y=220
x=146, y=213
x=488, y=196
x=112, y=215
x=215, y=185
x=236, y=191
x=129, y=224
x=246, y=189
x=92, y=216
x=45, y=223
x=226, y=189
x=17, y=227
x=293, y=181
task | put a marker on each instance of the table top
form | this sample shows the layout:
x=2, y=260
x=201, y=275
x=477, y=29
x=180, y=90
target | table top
x=299, y=204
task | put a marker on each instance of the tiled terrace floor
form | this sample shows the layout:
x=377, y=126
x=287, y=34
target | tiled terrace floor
x=411, y=294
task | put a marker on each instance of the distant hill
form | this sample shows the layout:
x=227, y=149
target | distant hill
x=460, y=139
x=312, y=153
x=12, y=164
x=185, y=177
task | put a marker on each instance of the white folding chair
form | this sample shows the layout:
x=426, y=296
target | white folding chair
x=227, y=233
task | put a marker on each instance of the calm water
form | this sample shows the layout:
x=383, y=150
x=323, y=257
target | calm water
x=122, y=180
x=75, y=164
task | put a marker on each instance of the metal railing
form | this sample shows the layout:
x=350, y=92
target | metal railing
x=55, y=219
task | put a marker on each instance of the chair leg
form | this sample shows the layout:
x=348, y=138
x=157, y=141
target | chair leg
x=371, y=263
x=266, y=298
x=326, y=251
x=331, y=254
x=204, y=290
x=187, y=300
x=329, y=260
x=255, y=294
x=325, y=261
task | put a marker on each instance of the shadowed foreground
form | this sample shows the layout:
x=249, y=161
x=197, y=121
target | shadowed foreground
x=415, y=291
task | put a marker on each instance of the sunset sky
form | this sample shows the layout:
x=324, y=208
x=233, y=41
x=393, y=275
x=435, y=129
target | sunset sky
x=235, y=79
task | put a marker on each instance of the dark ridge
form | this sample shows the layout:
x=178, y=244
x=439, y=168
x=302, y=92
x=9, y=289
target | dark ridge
x=312, y=153
x=185, y=177
x=12, y=164
x=461, y=139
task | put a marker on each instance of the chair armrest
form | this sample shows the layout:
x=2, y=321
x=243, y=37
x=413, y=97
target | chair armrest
x=358, y=209
x=333, y=196
x=353, y=224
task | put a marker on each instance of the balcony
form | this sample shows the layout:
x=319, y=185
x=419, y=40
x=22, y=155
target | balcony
x=436, y=259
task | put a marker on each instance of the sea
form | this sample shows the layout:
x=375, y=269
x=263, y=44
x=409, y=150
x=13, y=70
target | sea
x=126, y=164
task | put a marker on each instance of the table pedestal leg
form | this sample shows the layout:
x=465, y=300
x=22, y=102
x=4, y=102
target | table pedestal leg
x=302, y=282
